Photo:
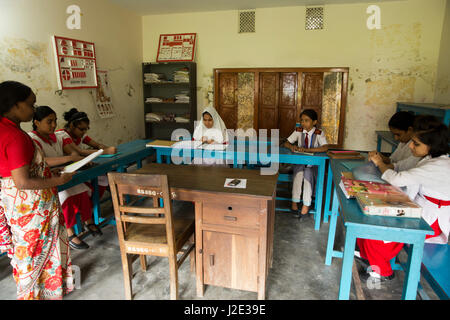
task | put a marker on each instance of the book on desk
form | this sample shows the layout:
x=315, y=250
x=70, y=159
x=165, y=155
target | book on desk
x=187, y=144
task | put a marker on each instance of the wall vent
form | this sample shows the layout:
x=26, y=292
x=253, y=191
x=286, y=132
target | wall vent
x=247, y=21
x=314, y=18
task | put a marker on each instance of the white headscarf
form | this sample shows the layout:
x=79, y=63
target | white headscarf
x=217, y=132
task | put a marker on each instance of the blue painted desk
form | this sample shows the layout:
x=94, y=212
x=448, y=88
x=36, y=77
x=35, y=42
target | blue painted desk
x=359, y=225
x=248, y=153
x=128, y=153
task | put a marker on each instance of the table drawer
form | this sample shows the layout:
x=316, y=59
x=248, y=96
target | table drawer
x=231, y=214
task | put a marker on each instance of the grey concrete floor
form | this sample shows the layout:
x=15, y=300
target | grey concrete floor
x=298, y=271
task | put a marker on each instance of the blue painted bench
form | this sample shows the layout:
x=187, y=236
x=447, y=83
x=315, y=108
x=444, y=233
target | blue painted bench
x=436, y=270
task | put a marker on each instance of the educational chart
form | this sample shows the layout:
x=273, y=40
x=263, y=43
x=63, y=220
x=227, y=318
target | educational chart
x=176, y=47
x=75, y=63
x=103, y=95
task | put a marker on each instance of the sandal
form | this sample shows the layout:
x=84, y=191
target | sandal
x=94, y=231
x=79, y=246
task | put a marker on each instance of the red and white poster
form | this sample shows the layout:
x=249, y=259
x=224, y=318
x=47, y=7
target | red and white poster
x=176, y=47
x=76, y=65
x=103, y=96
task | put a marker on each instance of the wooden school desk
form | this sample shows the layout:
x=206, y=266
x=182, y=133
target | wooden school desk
x=127, y=154
x=247, y=155
x=233, y=227
x=359, y=225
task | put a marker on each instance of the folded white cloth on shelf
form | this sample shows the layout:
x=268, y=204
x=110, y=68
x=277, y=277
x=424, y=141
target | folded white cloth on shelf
x=152, y=117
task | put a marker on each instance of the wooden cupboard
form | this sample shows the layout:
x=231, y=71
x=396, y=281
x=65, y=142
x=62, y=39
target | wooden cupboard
x=273, y=98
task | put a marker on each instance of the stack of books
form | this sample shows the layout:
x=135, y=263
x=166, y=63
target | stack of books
x=380, y=199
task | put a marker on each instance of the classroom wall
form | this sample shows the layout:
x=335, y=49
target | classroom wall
x=442, y=94
x=26, y=55
x=396, y=63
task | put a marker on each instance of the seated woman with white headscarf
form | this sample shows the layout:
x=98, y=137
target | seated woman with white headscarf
x=211, y=130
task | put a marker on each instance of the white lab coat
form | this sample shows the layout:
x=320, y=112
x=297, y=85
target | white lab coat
x=431, y=177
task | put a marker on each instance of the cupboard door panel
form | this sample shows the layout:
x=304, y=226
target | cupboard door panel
x=227, y=100
x=287, y=110
x=268, y=100
x=312, y=92
x=230, y=260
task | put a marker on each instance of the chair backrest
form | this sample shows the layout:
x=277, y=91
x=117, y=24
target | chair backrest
x=128, y=192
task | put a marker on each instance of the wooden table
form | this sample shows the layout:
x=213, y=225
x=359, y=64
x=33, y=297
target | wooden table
x=359, y=225
x=233, y=227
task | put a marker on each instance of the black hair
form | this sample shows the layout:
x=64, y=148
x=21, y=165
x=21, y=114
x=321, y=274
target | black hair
x=207, y=113
x=312, y=114
x=402, y=120
x=12, y=92
x=76, y=117
x=41, y=113
x=432, y=132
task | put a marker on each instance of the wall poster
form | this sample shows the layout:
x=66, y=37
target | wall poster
x=176, y=47
x=103, y=95
x=76, y=63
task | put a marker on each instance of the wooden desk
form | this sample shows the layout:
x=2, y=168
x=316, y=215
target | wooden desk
x=233, y=227
x=359, y=225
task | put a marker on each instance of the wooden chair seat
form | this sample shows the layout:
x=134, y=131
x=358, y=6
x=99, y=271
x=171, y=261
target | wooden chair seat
x=157, y=233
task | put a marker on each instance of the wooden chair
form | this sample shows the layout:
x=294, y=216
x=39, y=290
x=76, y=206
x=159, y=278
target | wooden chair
x=145, y=229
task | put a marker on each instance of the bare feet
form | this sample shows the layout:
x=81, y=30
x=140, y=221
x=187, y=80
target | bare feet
x=305, y=209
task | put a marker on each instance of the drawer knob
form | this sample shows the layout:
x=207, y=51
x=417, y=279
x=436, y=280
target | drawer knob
x=230, y=208
x=230, y=218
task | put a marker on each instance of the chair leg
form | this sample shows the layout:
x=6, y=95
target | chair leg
x=173, y=277
x=143, y=262
x=127, y=268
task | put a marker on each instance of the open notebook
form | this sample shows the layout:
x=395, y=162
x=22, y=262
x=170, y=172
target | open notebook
x=77, y=165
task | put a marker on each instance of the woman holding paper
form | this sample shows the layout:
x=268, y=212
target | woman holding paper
x=31, y=226
x=77, y=198
x=210, y=130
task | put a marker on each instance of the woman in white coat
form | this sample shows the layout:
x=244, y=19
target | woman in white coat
x=211, y=130
x=427, y=184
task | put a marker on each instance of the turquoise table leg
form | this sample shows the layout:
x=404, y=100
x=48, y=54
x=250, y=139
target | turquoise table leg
x=158, y=156
x=328, y=192
x=96, y=201
x=347, y=263
x=412, y=272
x=319, y=197
x=332, y=231
x=379, y=144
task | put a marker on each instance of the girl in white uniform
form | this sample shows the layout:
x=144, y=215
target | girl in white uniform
x=401, y=126
x=211, y=130
x=57, y=152
x=427, y=184
x=308, y=139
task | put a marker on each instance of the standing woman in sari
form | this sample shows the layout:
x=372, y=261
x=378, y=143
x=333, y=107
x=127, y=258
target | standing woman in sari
x=31, y=224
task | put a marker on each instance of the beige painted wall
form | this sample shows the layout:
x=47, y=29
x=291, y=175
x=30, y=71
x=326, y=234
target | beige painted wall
x=442, y=94
x=398, y=62
x=26, y=55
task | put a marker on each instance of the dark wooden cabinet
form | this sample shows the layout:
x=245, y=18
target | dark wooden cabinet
x=280, y=95
x=166, y=90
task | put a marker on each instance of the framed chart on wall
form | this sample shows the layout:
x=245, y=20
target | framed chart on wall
x=103, y=98
x=176, y=47
x=76, y=65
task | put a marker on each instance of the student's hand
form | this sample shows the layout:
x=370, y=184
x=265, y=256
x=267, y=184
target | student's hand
x=110, y=150
x=210, y=141
x=372, y=153
x=204, y=139
x=376, y=159
x=56, y=172
x=298, y=149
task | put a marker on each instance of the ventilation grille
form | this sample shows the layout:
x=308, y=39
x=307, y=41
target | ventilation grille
x=314, y=18
x=247, y=21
